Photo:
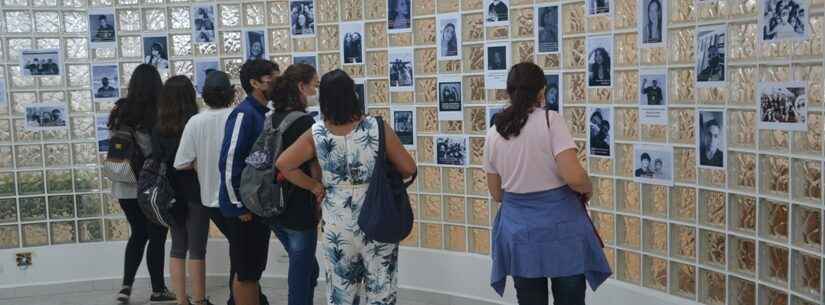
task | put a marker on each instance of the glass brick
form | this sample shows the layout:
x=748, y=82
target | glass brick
x=84, y=153
x=182, y=45
x=90, y=230
x=255, y=13
x=77, y=48
x=44, y=3
x=7, y=185
x=127, y=2
x=8, y=210
x=80, y=101
x=47, y=22
x=6, y=157
x=18, y=81
x=155, y=19
x=59, y=181
x=83, y=127
x=15, y=45
x=131, y=46
x=63, y=232
x=88, y=205
x=129, y=20
x=180, y=18
x=87, y=179
x=117, y=229
x=105, y=53
x=74, y=3
x=35, y=234
x=184, y=67
x=78, y=75
x=57, y=154
x=32, y=208
x=18, y=21
x=61, y=207
x=29, y=156
x=230, y=15
x=9, y=237
x=16, y=2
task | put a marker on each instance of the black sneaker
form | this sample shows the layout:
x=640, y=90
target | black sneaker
x=124, y=294
x=202, y=302
x=163, y=296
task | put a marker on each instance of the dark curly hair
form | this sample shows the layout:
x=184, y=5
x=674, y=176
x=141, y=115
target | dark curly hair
x=524, y=83
x=284, y=89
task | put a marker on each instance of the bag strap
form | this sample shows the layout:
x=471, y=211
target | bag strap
x=382, y=149
x=287, y=121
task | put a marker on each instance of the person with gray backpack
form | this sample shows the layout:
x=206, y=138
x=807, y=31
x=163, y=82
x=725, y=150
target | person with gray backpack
x=290, y=211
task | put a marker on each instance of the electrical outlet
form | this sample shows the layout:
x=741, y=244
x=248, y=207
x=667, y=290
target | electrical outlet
x=24, y=259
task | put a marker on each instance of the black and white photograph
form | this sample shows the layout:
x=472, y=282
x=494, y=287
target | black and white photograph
x=361, y=93
x=711, y=139
x=156, y=51
x=490, y=114
x=496, y=61
x=653, y=25
x=496, y=12
x=600, y=133
x=399, y=16
x=305, y=58
x=552, y=98
x=401, y=69
x=598, y=7
x=653, y=86
x=599, y=61
x=451, y=150
x=352, y=43
x=547, y=27
x=49, y=116
x=204, y=66
x=783, y=20
x=105, y=82
x=302, y=18
x=653, y=164
x=102, y=135
x=449, y=98
x=783, y=106
x=255, y=44
x=403, y=122
x=102, y=31
x=3, y=99
x=710, y=56
x=203, y=23
x=448, y=38
x=40, y=62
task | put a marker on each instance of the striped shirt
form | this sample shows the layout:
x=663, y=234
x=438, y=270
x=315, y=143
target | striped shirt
x=243, y=127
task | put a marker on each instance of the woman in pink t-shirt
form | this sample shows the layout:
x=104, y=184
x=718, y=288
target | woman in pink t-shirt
x=542, y=229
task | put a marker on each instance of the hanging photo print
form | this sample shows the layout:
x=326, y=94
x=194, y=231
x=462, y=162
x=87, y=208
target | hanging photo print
x=449, y=98
x=305, y=58
x=105, y=82
x=711, y=138
x=47, y=116
x=490, y=114
x=497, y=59
x=598, y=7
x=203, y=67
x=497, y=12
x=3, y=99
x=42, y=62
x=352, y=43
x=102, y=134
x=362, y=95
x=599, y=61
x=203, y=23
x=600, y=133
x=710, y=56
x=102, y=32
x=653, y=25
x=653, y=97
x=255, y=44
x=401, y=69
x=302, y=18
x=783, y=106
x=155, y=51
x=448, y=40
x=547, y=41
x=653, y=164
x=783, y=20
x=403, y=122
x=399, y=16
x=552, y=98
x=451, y=150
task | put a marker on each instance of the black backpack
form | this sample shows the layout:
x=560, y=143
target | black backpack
x=155, y=194
x=124, y=157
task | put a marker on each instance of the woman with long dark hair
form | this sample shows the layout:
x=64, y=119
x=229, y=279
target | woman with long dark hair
x=599, y=71
x=137, y=112
x=346, y=145
x=542, y=229
x=157, y=57
x=653, y=24
x=177, y=104
x=449, y=40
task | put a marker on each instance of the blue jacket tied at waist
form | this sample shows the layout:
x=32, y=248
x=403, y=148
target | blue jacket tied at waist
x=545, y=234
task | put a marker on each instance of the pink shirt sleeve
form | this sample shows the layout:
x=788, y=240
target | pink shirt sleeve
x=488, y=152
x=560, y=137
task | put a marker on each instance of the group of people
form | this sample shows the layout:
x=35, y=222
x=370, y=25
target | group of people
x=781, y=107
x=42, y=67
x=645, y=171
x=303, y=20
x=784, y=18
x=353, y=48
x=325, y=170
x=51, y=118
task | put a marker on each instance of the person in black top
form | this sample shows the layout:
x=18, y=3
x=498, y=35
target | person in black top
x=297, y=227
x=104, y=31
x=652, y=92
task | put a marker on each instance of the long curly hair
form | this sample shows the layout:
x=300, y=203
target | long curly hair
x=524, y=83
x=284, y=89
x=139, y=108
x=177, y=104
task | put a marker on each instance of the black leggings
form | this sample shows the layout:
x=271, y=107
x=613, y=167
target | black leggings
x=142, y=231
x=220, y=222
x=567, y=290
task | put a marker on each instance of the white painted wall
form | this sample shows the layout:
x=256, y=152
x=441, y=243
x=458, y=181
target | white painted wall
x=463, y=275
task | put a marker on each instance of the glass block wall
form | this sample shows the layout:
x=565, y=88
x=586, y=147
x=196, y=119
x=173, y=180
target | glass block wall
x=747, y=233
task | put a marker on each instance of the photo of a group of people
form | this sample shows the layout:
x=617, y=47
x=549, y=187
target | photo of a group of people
x=41, y=62
x=255, y=44
x=451, y=150
x=155, y=50
x=783, y=106
x=448, y=40
x=653, y=164
x=599, y=58
x=401, y=70
x=352, y=43
x=710, y=55
x=449, y=98
x=47, y=116
x=600, y=132
x=653, y=25
x=302, y=18
x=783, y=20
x=102, y=33
x=105, y=82
x=547, y=27
x=403, y=122
x=203, y=23
x=399, y=16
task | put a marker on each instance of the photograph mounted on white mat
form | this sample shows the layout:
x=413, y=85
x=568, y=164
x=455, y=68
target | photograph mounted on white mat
x=102, y=28
x=102, y=132
x=399, y=16
x=547, y=27
x=361, y=93
x=600, y=132
x=599, y=61
x=449, y=98
x=40, y=62
x=497, y=60
x=448, y=38
x=653, y=164
x=203, y=67
x=653, y=97
x=203, y=23
x=710, y=56
x=783, y=105
x=497, y=12
x=552, y=96
x=711, y=138
x=46, y=116
x=401, y=69
x=403, y=122
x=254, y=43
x=781, y=20
x=653, y=24
x=352, y=43
x=156, y=51
x=105, y=82
x=302, y=18
x=451, y=150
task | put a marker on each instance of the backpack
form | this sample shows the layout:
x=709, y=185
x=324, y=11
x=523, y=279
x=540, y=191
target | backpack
x=261, y=192
x=124, y=156
x=155, y=195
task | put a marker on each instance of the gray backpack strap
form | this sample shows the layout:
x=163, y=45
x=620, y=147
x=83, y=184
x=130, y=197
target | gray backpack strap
x=290, y=118
x=278, y=137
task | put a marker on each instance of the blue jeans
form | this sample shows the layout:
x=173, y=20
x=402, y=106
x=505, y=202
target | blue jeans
x=303, y=266
x=567, y=290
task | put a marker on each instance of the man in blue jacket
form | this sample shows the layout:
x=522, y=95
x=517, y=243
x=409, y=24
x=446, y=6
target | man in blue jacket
x=249, y=237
